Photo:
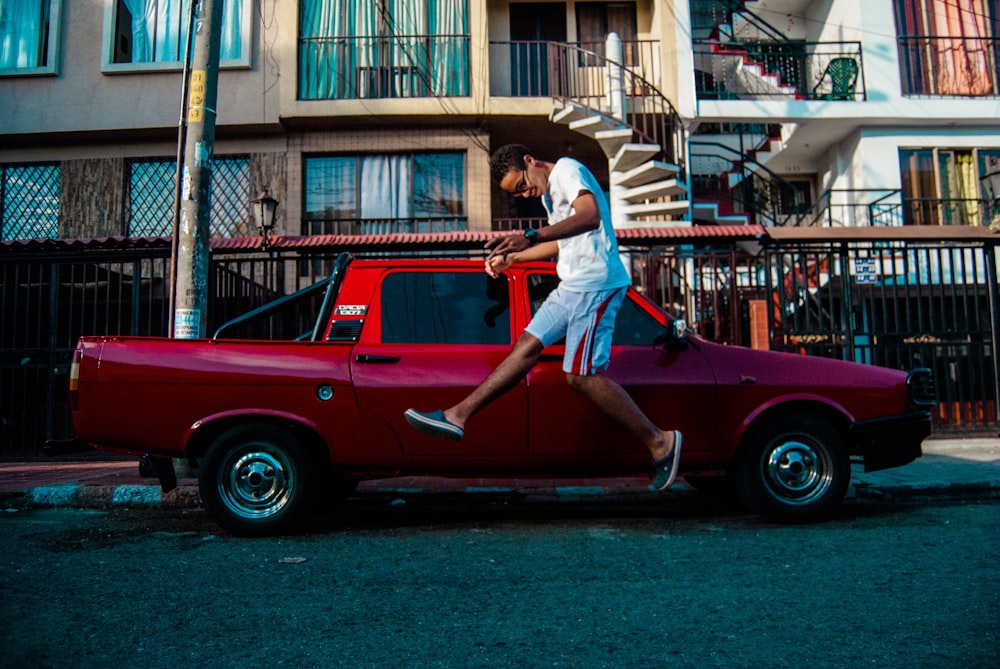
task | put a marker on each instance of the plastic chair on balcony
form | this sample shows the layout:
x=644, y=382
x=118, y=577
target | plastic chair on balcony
x=843, y=76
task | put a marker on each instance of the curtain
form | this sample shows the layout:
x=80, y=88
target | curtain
x=385, y=192
x=968, y=189
x=21, y=38
x=334, y=43
x=919, y=189
x=159, y=29
x=404, y=49
x=962, y=48
x=231, y=43
x=449, y=57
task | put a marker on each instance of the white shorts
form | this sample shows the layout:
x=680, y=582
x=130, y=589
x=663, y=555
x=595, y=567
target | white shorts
x=586, y=320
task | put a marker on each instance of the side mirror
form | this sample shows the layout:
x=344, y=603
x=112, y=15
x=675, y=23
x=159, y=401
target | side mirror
x=673, y=336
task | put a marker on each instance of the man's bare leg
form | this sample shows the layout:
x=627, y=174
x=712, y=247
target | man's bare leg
x=617, y=403
x=507, y=374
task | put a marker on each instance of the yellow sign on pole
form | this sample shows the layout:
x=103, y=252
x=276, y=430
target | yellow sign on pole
x=196, y=97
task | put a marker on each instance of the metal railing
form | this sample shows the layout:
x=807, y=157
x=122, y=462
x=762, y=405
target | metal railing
x=514, y=224
x=960, y=66
x=384, y=226
x=796, y=70
x=739, y=184
x=396, y=66
x=887, y=207
x=573, y=74
x=719, y=17
x=910, y=305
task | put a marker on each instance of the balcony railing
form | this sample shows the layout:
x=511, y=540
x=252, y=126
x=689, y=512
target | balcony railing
x=400, y=66
x=963, y=66
x=384, y=226
x=515, y=224
x=572, y=73
x=887, y=207
x=779, y=70
x=535, y=69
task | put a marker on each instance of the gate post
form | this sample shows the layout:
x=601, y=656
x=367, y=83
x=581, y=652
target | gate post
x=993, y=296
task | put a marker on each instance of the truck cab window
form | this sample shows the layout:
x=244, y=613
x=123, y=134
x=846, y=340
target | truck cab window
x=445, y=308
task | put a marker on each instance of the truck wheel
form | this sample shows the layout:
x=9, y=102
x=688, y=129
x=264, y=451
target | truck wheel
x=256, y=479
x=795, y=469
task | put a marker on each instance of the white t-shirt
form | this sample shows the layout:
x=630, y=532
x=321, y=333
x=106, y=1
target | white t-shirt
x=589, y=261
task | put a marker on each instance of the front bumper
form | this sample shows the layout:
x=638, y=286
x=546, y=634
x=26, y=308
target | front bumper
x=891, y=441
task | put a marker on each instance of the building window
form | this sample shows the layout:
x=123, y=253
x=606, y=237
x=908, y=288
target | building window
x=29, y=36
x=946, y=186
x=445, y=308
x=948, y=47
x=29, y=201
x=393, y=48
x=151, y=197
x=373, y=194
x=148, y=34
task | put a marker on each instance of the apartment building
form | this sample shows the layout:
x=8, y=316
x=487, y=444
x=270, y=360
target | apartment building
x=843, y=112
x=358, y=117
x=379, y=116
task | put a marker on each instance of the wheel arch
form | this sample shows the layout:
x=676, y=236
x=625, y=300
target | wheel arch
x=767, y=415
x=202, y=437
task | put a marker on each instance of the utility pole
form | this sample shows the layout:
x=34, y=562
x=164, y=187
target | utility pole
x=191, y=281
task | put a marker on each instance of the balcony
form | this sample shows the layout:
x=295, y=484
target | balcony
x=729, y=70
x=542, y=69
x=960, y=66
x=577, y=75
x=400, y=66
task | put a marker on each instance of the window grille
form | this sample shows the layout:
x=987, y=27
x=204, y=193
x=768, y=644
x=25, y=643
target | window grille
x=29, y=201
x=151, y=197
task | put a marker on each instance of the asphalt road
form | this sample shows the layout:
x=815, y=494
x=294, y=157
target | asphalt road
x=496, y=583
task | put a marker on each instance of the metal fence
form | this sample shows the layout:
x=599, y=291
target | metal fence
x=893, y=304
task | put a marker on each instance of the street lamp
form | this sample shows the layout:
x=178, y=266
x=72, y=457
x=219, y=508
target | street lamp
x=991, y=185
x=263, y=207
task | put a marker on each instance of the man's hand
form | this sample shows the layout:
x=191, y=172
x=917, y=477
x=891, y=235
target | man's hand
x=496, y=265
x=507, y=244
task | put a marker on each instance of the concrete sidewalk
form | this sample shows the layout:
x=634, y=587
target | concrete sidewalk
x=949, y=467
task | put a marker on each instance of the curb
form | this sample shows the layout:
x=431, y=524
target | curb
x=105, y=497
x=187, y=496
x=923, y=489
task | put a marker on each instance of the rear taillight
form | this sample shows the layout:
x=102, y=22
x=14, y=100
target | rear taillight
x=74, y=380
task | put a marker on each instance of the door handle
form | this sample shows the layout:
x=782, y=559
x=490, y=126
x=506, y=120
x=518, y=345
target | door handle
x=376, y=359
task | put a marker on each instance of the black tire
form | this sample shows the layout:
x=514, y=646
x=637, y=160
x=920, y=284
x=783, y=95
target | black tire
x=794, y=469
x=257, y=479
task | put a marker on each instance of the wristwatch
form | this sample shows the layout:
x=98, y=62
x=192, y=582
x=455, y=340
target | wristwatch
x=532, y=236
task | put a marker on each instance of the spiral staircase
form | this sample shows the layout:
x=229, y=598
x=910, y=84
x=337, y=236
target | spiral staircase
x=640, y=134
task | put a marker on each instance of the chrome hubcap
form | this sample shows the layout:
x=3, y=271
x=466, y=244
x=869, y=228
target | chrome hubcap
x=256, y=484
x=796, y=473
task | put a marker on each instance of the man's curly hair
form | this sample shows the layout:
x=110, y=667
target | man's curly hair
x=508, y=157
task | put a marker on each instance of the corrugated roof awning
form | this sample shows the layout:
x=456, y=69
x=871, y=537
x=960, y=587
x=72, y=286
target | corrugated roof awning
x=470, y=239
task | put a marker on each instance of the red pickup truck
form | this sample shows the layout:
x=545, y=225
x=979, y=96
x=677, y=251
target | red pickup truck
x=274, y=425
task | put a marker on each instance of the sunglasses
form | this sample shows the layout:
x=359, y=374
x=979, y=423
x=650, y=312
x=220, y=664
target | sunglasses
x=523, y=184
